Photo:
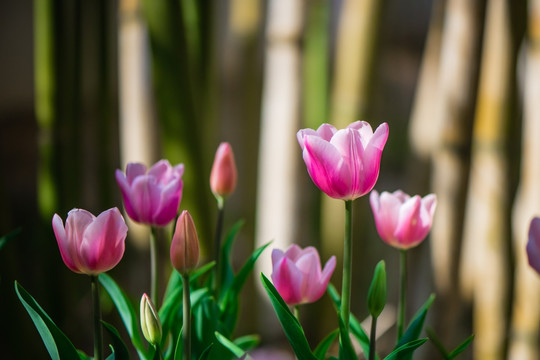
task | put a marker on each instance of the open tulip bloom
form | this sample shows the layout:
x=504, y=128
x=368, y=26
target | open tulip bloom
x=297, y=274
x=151, y=197
x=344, y=163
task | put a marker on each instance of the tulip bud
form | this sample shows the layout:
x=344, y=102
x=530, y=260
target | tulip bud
x=224, y=174
x=185, y=244
x=150, y=324
x=377, y=290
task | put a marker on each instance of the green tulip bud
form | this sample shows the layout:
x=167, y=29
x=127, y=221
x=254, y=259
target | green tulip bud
x=150, y=324
x=377, y=290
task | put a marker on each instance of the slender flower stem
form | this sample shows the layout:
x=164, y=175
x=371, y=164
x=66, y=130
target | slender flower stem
x=402, y=293
x=372, y=338
x=158, y=352
x=187, y=318
x=347, y=265
x=98, y=336
x=217, y=243
x=154, y=278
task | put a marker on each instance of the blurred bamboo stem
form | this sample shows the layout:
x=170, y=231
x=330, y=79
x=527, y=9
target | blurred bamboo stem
x=455, y=107
x=485, y=267
x=526, y=312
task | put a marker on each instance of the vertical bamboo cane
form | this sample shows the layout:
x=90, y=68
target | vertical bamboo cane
x=526, y=312
x=485, y=264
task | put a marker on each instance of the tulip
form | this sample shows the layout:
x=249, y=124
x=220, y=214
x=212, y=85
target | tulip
x=88, y=244
x=297, y=274
x=533, y=245
x=344, y=163
x=224, y=174
x=151, y=197
x=402, y=221
x=185, y=244
x=150, y=323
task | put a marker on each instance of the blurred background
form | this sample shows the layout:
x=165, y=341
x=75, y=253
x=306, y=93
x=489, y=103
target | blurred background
x=87, y=86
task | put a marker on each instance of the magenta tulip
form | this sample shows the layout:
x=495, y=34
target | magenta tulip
x=343, y=163
x=224, y=173
x=533, y=245
x=297, y=274
x=88, y=244
x=151, y=197
x=402, y=221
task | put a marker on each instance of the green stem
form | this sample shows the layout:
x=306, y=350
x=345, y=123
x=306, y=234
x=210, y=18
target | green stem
x=158, y=352
x=402, y=293
x=217, y=244
x=372, y=338
x=154, y=278
x=347, y=266
x=98, y=336
x=296, y=312
x=187, y=318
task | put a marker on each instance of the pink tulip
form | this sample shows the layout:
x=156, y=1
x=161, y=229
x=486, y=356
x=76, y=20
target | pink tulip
x=402, y=221
x=533, y=245
x=297, y=274
x=151, y=197
x=185, y=244
x=224, y=174
x=88, y=244
x=343, y=163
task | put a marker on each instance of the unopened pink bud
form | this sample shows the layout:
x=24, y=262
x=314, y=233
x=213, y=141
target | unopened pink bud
x=223, y=176
x=185, y=244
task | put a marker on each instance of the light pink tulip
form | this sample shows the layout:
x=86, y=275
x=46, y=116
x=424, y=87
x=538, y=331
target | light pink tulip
x=151, y=197
x=88, y=244
x=533, y=245
x=185, y=244
x=402, y=221
x=297, y=274
x=343, y=163
x=224, y=173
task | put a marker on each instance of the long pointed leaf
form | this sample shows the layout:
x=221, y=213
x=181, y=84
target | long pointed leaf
x=324, y=345
x=346, y=350
x=292, y=328
x=121, y=351
x=57, y=343
x=229, y=345
x=406, y=349
x=226, y=270
x=415, y=328
x=461, y=347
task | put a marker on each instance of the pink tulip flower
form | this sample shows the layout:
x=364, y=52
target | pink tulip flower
x=343, y=163
x=88, y=244
x=185, y=244
x=297, y=274
x=533, y=245
x=402, y=221
x=224, y=173
x=151, y=197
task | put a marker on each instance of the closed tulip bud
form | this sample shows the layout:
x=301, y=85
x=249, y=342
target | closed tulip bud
x=150, y=323
x=185, y=244
x=224, y=174
x=377, y=290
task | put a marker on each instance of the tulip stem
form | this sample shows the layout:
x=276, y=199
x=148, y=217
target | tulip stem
x=296, y=312
x=98, y=336
x=372, y=338
x=347, y=266
x=187, y=318
x=217, y=244
x=153, y=266
x=402, y=293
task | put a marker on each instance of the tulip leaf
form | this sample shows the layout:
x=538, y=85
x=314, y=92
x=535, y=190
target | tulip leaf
x=461, y=347
x=206, y=353
x=406, y=349
x=230, y=346
x=290, y=324
x=247, y=342
x=57, y=343
x=120, y=349
x=439, y=345
x=324, y=345
x=179, y=347
x=226, y=271
x=126, y=311
x=346, y=349
x=415, y=327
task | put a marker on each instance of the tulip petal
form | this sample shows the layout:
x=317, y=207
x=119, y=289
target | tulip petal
x=349, y=144
x=145, y=198
x=134, y=170
x=301, y=134
x=293, y=252
x=288, y=281
x=169, y=201
x=533, y=244
x=125, y=188
x=161, y=170
x=63, y=243
x=322, y=283
x=277, y=255
x=385, y=209
x=371, y=158
x=411, y=230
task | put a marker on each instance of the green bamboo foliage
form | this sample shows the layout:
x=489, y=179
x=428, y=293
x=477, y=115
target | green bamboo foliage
x=485, y=264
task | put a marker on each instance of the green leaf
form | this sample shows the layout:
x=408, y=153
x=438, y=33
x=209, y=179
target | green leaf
x=406, y=349
x=120, y=349
x=292, y=328
x=57, y=343
x=226, y=270
x=4, y=240
x=179, y=347
x=415, y=326
x=206, y=353
x=324, y=345
x=461, y=347
x=229, y=345
x=248, y=342
x=126, y=311
x=346, y=350
x=377, y=290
